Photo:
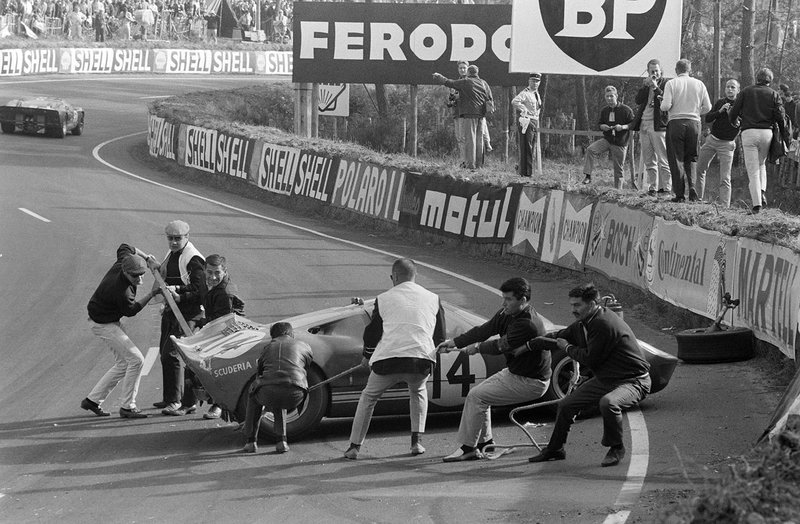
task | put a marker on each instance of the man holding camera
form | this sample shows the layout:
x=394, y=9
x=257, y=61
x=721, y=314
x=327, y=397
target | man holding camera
x=652, y=127
x=720, y=142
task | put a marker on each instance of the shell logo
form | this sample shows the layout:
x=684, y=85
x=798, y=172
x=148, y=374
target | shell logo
x=160, y=61
x=65, y=64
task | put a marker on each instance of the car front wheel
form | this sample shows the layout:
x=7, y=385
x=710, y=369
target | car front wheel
x=7, y=127
x=61, y=131
x=78, y=129
x=564, y=370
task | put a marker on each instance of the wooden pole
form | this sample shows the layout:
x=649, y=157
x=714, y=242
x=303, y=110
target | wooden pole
x=315, y=110
x=413, y=94
x=717, y=46
x=171, y=303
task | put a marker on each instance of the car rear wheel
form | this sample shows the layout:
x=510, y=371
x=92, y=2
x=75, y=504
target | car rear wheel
x=300, y=421
x=78, y=129
x=61, y=131
x=7, y=127
x=564, y=369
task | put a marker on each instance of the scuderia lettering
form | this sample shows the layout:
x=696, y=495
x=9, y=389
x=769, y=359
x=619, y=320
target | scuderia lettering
x=215, y=152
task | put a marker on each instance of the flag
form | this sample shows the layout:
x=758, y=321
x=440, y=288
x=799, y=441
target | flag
x=29, y=32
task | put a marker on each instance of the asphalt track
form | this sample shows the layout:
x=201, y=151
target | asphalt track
x=64, y=207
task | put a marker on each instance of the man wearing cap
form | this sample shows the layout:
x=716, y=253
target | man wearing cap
x=529, y=104
x=473, y=94
x=183, y=270
x=616, y=119
x=115, y=298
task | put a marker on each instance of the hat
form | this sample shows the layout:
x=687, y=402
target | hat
x=537, y=76
x=177, y=227
x=134, y=265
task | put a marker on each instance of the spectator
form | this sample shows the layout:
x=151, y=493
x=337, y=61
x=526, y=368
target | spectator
x=758, y=107
x=720, y=142
x=789, y=106
x=453, y=103
x=616, y=119
x=100, y=26
x=74, y=22
x=529, y=104
x=652, y=126
x=212, y=26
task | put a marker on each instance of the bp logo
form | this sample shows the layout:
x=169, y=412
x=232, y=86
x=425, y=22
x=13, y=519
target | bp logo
x=601, y=34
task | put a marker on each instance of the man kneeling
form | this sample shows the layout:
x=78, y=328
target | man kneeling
x=280, y=385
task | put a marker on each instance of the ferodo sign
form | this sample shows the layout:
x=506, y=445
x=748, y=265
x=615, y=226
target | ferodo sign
x=586, y=37
x=215, y=152
x=399, y=43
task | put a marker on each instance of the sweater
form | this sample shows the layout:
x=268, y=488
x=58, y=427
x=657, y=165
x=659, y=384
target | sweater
x=115, y=297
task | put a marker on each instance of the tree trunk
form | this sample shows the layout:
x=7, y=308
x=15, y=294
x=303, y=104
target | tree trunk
x=381, y=100
x=747, y=70
x=582, y=114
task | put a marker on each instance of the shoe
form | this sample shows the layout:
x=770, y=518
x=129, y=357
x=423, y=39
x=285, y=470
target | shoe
x=282, y=447
x=417, y=449
x=763, y=199
x=547, y=454
x=131, y=413
x=489, y=148
x=460, y=455
x=693, y=195
x=213, y=412
x=756, y=210
x=179, y=411
x=94, y=407
x=587, y=180
x=351, y=453
x=651, y=192
x=482, y=445
x=678, y=200
x=161, y=405
x=613, y=457
x=250, y=447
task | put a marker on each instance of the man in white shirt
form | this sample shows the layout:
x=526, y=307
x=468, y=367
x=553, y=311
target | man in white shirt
x=685, y=98
x=529, y=104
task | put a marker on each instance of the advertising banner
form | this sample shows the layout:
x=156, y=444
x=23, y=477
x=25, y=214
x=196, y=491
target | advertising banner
x=162, y=137
x=334, y=99
x=191, y=61
x=368, y=189
x=470, y=211
x=290, y=171
x=766, y=281
x=10, y=62
x=618, y=243
x=573, y=234
x=400, y=43
x=529, y=225
x=590, y=37
x=552, y=226
x=216, y=152
x=104, y=60
x=273, y=62
x=680, y=262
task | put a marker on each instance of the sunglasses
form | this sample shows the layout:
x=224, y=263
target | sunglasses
x=175, y=238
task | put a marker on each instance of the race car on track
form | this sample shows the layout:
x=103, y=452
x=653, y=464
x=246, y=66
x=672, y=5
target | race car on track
x=41, y=115
x=225, y=352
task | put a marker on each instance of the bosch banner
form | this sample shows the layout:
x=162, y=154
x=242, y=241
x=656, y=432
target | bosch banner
x=589, y=37
x=400, y=43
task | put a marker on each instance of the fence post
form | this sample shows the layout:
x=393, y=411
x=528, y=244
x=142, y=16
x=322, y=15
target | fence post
x=572, y=138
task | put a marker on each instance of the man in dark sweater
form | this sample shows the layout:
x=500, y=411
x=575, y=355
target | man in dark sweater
x=615, y=121
x=720, y=142
x=115, y=298
x=526, y=377
x=602, y=342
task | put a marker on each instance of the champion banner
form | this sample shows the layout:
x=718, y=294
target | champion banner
x=477, y=212
x=618, y=243
x=529, y=225
x=290, y=171
x=680, y=262
x=392, y=43
x=566, y=229
x=766, y=281
x=590, y=37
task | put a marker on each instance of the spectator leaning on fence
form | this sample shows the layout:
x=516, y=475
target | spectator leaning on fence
x=615, y=122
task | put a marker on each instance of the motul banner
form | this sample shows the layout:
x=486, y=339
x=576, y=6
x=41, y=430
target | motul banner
x=589, y=37
x=400, y=43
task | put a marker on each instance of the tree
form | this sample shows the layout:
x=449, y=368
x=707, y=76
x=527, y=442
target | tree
x=747, y=69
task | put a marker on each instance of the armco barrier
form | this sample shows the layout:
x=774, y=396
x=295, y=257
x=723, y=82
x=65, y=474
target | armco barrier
x=687, y=266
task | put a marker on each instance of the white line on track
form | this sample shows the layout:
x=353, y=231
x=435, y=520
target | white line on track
x=34, y=215
x=154, y=96
x=149, y=360
x=640, y=447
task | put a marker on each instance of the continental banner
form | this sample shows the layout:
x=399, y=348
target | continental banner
x=216, y=152
x=618, y=243
x=162, y=137
x=105, y=60
x=529, y=226
x=400, y=43
x=290, y=171
x=766, y=281
x=469, y=211
x=680, y=263
x=369, y=189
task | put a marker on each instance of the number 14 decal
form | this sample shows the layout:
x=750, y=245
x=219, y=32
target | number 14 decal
x=458, y=373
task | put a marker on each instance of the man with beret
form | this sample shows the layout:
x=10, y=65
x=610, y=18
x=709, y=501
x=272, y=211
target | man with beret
x=183, y=270
x=529, y=104
x=115, y=298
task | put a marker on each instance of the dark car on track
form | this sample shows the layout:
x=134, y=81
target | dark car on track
x=224, y=353
x=41, y=115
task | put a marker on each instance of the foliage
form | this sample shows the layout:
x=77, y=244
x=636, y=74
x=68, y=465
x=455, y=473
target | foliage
x=19, y=42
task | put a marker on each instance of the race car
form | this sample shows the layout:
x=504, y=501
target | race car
x=224, y=354
x=41, y=115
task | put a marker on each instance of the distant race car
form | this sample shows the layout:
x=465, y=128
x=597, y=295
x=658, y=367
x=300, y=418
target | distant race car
x=41, y=115
x=223, y=356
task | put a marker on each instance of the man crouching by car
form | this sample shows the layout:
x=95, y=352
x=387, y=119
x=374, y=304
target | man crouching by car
x=281, y=384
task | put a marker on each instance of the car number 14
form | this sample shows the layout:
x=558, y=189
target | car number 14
x=453, y=377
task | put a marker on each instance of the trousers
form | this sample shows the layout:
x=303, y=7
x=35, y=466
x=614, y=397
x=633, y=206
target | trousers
x=275, y=398
x=723, y=150
x=654, y=155
x=128, y=362
x=755, y=144
x=683, y=138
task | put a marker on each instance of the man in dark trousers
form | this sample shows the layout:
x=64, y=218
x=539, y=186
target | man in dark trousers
x=219, y=300
x=525, y=378
x=281, y=384
x=616, y=119
x=529, y=105
x=183, y=271
x=400, y=346
x=602, y=342
x=115, y=298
